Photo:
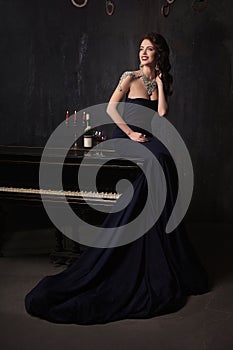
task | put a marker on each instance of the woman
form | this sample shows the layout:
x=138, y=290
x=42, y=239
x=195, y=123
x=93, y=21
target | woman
x=154, y=273
x=146, y=83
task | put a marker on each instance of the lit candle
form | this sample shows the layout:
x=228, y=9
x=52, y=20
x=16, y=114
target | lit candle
x=67, y=117
x=75, y=117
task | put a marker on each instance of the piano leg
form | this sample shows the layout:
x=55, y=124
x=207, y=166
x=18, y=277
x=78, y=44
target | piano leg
x=66, y=251
x=59, y=246
x=3, y=229
x=76, y=248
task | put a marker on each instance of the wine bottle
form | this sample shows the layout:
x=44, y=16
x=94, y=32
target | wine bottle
x=88, y=133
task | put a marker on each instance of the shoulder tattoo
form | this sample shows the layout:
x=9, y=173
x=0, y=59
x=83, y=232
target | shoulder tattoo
x=126, y=74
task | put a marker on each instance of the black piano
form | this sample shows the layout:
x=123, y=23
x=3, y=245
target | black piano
x=20, y=191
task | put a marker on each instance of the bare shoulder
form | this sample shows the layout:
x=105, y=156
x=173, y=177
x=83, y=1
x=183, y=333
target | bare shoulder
x=127, y=78
x=130, y=73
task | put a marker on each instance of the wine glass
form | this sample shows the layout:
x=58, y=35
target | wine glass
x=102, y=137
x=96, y=136
x=99, y=138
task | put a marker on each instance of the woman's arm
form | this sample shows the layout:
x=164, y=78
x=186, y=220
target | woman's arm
x=162, y=101
x=117, y=96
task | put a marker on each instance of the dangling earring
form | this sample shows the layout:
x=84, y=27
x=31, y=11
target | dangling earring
x=157, y=67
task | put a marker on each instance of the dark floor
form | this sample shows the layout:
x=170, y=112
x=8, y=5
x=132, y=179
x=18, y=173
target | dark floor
x=204, y=323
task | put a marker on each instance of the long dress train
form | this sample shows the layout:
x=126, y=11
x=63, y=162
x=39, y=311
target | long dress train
x=147, y=277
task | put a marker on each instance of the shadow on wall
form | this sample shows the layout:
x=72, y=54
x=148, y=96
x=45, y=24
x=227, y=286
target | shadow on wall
x=212, y=144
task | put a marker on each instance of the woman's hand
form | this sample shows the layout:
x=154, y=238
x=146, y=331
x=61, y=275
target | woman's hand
x=137, y=136
x=159, y=79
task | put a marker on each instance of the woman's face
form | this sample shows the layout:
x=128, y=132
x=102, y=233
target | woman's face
x=147, y=53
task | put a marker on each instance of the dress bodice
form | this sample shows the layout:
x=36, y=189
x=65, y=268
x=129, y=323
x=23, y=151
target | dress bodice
x=138, y=114
x=152, y=104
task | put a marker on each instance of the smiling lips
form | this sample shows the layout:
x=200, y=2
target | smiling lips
x=144, y=58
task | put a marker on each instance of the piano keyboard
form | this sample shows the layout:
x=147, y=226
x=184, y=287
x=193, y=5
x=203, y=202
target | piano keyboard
x=84, y=194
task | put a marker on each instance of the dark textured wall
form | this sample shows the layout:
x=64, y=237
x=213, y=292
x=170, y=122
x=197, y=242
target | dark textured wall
x=55, y=56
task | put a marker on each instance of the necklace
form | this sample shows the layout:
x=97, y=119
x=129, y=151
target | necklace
x=149, y=85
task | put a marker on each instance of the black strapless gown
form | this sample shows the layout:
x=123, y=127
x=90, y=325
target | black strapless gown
x=145, y=278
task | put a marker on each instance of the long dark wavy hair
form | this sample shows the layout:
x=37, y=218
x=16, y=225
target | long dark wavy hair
x=162, y=59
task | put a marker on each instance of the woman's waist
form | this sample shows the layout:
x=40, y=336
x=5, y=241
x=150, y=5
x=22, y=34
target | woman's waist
x=119, y=133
